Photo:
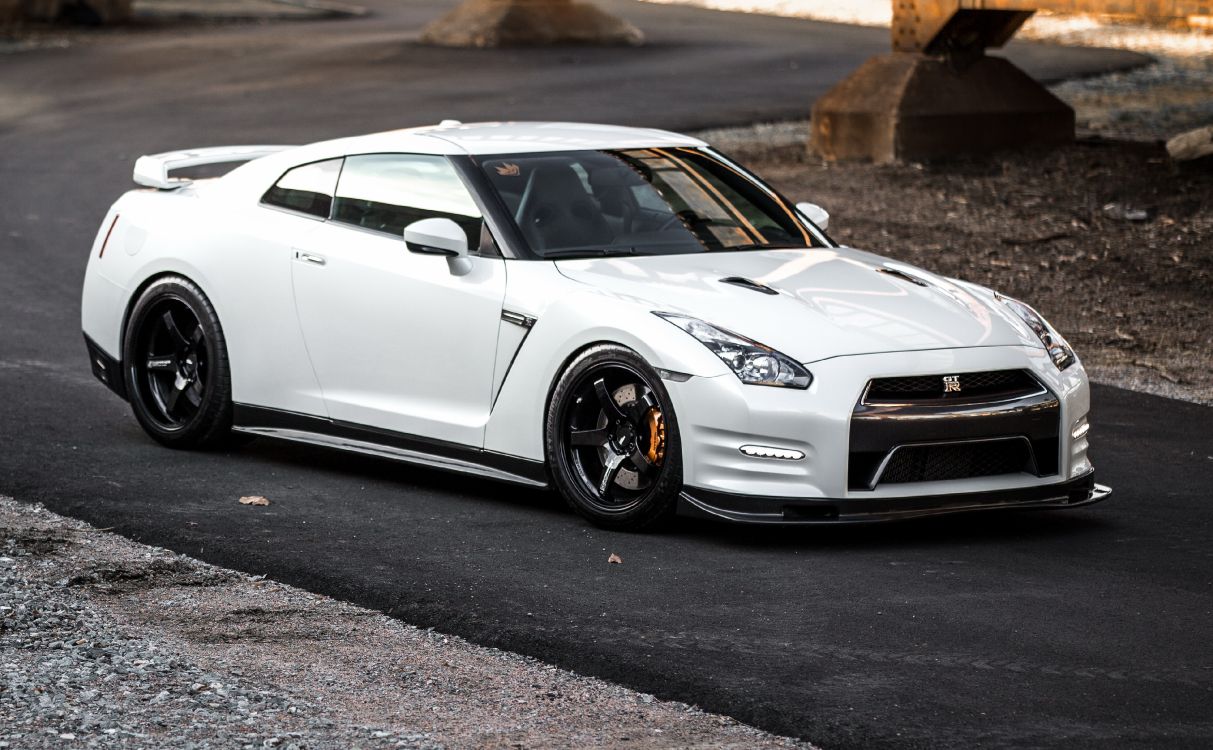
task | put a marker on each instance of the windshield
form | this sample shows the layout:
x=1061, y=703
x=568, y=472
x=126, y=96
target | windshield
x=655, y=201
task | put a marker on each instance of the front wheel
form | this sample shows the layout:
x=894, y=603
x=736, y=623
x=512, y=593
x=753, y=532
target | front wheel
x=612, y=440
x=176, y=367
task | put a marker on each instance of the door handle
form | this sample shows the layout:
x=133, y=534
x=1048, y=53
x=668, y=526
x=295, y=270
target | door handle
x=315, y=260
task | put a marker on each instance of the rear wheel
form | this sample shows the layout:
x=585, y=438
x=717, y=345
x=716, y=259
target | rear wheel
x=612, y=440
x=176, y=367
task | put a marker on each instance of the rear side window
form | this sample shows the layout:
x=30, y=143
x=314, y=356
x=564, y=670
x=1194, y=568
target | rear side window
x=307, y=189
x=387, y=192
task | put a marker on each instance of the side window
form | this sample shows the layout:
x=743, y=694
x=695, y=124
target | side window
x=387, y=192
x=308, y=189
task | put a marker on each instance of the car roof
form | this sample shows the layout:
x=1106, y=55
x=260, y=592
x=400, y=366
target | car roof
x=454, y=137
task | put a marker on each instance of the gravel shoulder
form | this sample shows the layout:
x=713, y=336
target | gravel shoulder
x=105, y=642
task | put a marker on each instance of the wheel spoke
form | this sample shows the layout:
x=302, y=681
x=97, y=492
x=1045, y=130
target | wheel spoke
x=170, y=403
x=170, y=325
x=193, y=393
x=639, y=409
x=609, y=471
x=589, y=438
x=195, y=340
x=641, y=462
x=607, y=401
x=167, y=363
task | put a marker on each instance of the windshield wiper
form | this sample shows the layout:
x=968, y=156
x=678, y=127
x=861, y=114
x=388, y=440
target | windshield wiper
x=766, y=246
x=602, y=252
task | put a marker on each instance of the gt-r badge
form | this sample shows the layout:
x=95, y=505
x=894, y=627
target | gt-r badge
x=951, y=384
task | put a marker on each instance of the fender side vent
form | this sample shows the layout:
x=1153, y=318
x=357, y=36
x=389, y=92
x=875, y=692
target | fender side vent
x=745, y=283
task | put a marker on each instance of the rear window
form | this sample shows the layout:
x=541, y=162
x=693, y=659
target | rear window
x=307, y=189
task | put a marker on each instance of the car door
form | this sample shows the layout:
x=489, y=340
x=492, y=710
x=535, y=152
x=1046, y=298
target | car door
x=252, y=255
x=399, y=341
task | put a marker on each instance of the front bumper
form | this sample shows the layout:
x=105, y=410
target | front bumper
x=775, y=510
x=719, y=417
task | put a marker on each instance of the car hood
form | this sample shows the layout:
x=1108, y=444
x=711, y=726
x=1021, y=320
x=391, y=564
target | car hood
x=819, y=303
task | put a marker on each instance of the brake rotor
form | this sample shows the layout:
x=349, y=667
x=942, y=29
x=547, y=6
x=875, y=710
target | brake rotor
x=626, y=477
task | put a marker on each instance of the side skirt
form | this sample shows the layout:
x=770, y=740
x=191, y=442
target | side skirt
x=371, y=441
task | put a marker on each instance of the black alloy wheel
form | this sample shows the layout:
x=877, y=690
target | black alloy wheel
x=173, y=364
x=613, y=440
x=176, y=367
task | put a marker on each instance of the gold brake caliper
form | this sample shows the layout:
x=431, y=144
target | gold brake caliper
x=656, y=421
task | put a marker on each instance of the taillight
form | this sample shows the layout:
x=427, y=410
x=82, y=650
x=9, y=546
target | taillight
x=108, y=232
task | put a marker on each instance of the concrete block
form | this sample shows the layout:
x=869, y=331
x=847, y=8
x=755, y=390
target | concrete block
x=504, y=23
x=41, y=10
x=10, y=12
x=78, y=11
x=100, y=11
x=913, y=107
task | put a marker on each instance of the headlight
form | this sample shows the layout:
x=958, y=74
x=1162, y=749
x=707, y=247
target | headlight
x=752, y=362
x=1059, y=350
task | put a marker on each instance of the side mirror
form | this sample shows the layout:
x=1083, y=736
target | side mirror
x=815, y=214
x=440, y=237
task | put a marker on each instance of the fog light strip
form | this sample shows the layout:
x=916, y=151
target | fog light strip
x=762, y=451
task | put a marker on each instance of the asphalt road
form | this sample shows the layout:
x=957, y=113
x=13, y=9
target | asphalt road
x=1080, y=628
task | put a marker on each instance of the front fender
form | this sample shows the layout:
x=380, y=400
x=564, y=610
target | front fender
x=576, y=317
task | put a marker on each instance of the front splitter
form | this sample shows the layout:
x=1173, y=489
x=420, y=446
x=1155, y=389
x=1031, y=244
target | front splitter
x=738, y=508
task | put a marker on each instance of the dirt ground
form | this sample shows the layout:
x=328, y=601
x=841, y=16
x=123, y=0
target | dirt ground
x=1054, y=228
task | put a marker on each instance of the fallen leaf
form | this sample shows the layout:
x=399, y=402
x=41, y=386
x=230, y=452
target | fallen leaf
x=254, y=500
x=615, y=559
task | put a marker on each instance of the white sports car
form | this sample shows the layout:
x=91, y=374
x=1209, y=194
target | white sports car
x=623, y=314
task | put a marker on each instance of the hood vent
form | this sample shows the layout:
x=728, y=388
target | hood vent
x=745, y=283
x=902, y=275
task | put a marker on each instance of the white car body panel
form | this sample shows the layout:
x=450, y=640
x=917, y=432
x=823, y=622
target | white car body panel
x=717, y=415
x=381, y=337
x=831, y=303
x=569, y=317
x=412, y=345
x=241, y=256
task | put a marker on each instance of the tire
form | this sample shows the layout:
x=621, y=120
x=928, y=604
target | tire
x=176, y=368
x=612, y=440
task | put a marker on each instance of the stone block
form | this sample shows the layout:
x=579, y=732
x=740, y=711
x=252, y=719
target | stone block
x=914, y=107
x=506, y=23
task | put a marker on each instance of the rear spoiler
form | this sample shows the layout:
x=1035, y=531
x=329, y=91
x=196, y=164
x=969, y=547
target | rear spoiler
x=153, y=170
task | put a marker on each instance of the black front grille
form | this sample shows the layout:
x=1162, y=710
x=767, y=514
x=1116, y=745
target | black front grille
x=933, y=437
x=929, y=463
x=996, y=384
